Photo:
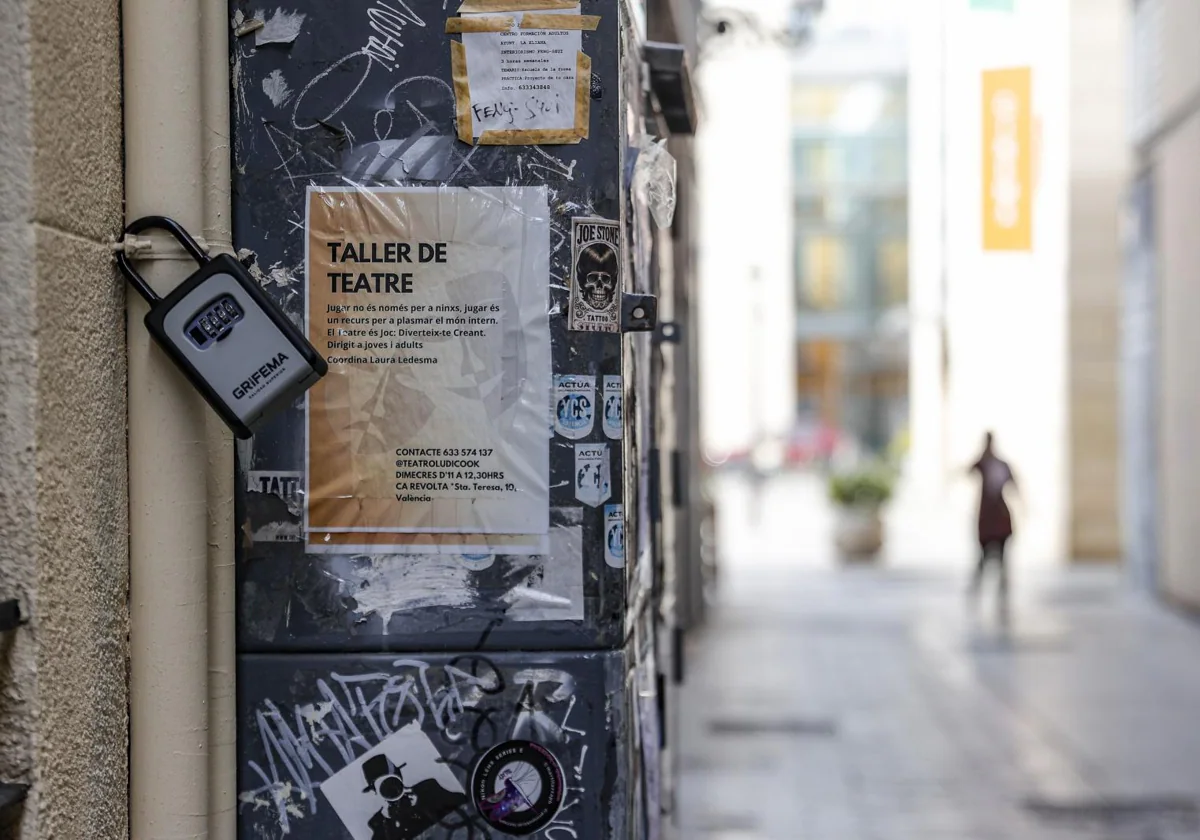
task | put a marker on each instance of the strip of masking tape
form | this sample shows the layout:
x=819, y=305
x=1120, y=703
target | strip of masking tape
x=462, y=93
x=515, y=5
x=529, y=137
x=491, y=23
x=583, y=95
x=536, y=20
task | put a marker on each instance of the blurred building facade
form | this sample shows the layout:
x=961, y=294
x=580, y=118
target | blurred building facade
x=1017, y=166
x=804, y=225
x=943, y=256
x=1161, y=346
x=850, y=183
x=744, y=251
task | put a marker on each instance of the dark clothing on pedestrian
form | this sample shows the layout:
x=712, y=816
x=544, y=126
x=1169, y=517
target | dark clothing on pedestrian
x=992, y=552
x=995, y=521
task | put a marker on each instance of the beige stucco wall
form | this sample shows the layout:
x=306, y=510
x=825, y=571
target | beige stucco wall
x=63, y=551
x=1099, y=172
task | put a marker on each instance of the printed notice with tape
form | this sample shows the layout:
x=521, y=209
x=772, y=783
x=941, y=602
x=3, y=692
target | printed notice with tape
x=522, y=77
x=431, y=304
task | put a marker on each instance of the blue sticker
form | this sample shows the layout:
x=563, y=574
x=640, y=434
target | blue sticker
x=574, y=406
x=614, y=407
x=614, y=536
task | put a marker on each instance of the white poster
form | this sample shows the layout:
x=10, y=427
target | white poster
x=523, y=79
x=614, y=536
x=614, y=407
x=430, y=305
x=401, y=788
x=593, y=485
x=574, y=406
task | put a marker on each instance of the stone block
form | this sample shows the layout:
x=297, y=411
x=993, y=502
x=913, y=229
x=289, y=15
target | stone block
x=82, y=540
x=77, y=116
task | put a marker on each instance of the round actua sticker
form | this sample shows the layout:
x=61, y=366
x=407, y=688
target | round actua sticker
x=517, y=787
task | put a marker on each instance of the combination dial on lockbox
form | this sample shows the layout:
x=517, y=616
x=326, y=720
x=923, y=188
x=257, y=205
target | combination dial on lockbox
x=214, y=322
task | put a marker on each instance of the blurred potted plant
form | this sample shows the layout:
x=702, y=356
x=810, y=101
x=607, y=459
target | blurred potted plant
x=859, y=496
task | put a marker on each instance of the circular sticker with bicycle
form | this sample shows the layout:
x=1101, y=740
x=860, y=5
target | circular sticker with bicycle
x=517, y=787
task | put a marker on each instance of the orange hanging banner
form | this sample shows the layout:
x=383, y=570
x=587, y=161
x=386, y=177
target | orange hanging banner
x=1008, y=160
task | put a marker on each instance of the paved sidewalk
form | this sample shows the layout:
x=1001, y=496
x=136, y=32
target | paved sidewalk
x=871, y=704
x=788, y=520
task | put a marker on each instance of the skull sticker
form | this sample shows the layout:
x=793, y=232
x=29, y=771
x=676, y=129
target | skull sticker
x=595, y=292
x=598, y=276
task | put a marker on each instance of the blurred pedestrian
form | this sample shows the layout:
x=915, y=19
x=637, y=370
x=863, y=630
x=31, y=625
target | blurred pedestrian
x=995, y=520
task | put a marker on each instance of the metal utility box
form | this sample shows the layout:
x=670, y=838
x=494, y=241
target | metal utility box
x=380, y=671
x=322, y=109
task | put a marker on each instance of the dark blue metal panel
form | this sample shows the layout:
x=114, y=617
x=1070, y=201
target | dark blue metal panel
x=320, y=734
x=332, y=107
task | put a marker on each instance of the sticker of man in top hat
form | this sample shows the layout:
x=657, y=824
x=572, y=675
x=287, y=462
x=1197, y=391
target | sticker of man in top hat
x=397, y=791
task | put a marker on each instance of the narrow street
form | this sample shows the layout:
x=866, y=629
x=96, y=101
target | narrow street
x=871, y=703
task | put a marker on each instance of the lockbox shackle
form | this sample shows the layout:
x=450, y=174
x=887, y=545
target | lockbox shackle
x=156, y=223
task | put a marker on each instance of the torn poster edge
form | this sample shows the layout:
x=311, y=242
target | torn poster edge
x=468, y=544
x=279, y=28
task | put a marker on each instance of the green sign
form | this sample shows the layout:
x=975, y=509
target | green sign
x=994, y=5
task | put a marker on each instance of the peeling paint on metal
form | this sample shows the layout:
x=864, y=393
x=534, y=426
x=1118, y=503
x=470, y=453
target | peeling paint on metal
x=314, y=714
x=553, y=588
x=387, y=584
x=277, y=274
x=276, y=88
x=282, y=794
x=287, y=485
x=277, y=532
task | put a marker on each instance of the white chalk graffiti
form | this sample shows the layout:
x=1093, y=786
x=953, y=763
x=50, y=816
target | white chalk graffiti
x=531, y=722
x=351, y=715
x=534, y=724
x=389, y=22
x=549, y=163
x=387, y=19
x=354, y=714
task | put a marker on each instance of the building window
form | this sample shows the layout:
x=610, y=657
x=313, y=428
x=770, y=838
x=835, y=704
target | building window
x=823, y=271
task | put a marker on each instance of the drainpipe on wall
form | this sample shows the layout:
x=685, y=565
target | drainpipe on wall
x=180, y=460
x=222, y=709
